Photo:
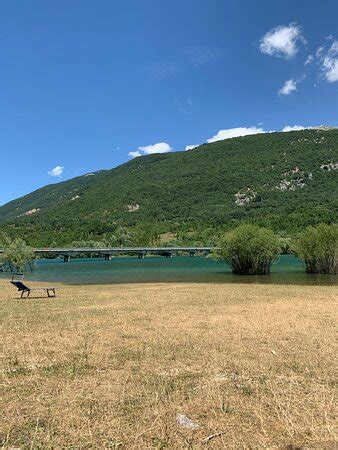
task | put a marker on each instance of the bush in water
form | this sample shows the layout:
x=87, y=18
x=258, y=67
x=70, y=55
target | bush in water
x=318, y=246
x=250, y=250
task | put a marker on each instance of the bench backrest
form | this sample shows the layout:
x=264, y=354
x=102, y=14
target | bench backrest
x=20, y=285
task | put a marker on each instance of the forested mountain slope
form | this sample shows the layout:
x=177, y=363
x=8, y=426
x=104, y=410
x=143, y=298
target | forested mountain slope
x=281, y=180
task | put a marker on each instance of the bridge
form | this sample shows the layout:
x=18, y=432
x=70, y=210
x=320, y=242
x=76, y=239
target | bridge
x=108, y=253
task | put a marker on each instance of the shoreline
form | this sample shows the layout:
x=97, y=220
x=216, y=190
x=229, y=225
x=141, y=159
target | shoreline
x=287, y=270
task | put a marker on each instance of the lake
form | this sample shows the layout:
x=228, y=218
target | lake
x=287, y=270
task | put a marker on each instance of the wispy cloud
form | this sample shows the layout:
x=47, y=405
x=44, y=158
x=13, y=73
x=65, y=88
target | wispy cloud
x=309, y=60
x=330, y=63
x=183, y=105
x=290, y=86
x=282, y=41
x=188, y=57
x=198, y=56
x=319, y=51
x=160, y=71
x=56, y=172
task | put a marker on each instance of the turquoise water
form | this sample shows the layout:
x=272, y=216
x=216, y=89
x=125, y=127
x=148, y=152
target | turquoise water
x=288, y=270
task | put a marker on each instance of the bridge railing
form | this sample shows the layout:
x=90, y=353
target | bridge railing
x=121, y=249
x=68, y=252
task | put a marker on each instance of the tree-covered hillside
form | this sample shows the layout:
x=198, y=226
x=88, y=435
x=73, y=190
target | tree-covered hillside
x=281, y=180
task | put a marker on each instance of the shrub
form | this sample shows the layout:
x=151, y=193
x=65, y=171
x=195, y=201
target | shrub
x=285, y=245
x=16, y=254
x=318, y=246
x=87, y=244
x=250, y=250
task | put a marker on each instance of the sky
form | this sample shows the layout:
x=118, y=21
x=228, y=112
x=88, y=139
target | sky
x=89, y=85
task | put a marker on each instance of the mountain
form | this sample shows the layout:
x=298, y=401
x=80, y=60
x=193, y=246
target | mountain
x=281, y=180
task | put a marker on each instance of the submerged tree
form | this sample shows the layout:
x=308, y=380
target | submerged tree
x=250, y=250
x=16, y=256
x=318, y=247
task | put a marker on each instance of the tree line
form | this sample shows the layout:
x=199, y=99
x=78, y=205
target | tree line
x=248, y=249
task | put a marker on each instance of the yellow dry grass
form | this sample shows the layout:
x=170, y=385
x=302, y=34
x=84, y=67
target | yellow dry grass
x=112, y=366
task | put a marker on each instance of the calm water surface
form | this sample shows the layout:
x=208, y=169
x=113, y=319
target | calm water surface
x=288, y=270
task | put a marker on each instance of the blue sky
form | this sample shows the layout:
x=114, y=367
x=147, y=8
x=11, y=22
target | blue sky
x=87, y=85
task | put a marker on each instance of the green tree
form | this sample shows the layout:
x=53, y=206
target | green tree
x=318, y=246
x=249, y=250
x=16, y=254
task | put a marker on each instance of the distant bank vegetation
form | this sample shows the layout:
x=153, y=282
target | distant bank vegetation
x=248, y=249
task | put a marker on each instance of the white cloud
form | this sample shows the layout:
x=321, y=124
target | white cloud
x=160, y=147
x=235, y=132
x=330, y=63
x=282, y=41
x=190, y=147
x=134, y=154
x=56, y=172
x=288, y=87
x=293, y=128
x=319, y=52
x=334, y=47
x=309, y=60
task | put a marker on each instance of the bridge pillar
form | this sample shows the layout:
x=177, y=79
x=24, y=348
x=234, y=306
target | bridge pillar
x=140, y=256
x=168, y=255
x=191, y=254
x=107, y=257
x=66, y=258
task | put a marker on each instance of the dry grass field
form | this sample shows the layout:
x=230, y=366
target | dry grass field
x=113, y=366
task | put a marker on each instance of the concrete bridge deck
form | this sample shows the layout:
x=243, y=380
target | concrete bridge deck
x=107, y=253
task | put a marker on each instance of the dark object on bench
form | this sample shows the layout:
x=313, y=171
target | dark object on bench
x=23, y=288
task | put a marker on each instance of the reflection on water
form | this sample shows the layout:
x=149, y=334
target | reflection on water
x=288, y=270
